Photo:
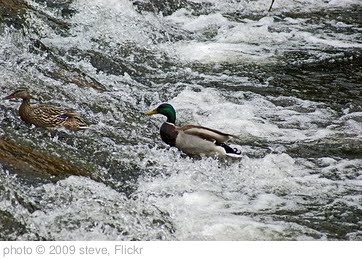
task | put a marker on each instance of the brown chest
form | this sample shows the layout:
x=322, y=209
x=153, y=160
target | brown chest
x=168, y=134
x=24, y=111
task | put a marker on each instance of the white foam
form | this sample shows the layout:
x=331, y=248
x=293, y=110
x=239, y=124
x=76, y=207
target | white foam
x=261, y=40
x=208, y=201
x=78, y=208
x=330, y=42
x=204, y=199
x=310, y=5
x=240, y=117
x=202, y=22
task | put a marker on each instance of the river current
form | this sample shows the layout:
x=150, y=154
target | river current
x=286, y=82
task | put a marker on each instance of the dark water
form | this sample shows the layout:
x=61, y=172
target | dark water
x=287, y=83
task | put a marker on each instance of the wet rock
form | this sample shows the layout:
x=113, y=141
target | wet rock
x=27, y=161
x=349, y=148
x=63, y=6
x=63, y=71
x=11, y=12
x=10, y=228
x=167, y=7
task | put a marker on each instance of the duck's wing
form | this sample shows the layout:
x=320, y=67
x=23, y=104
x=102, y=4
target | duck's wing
x=206, y=133
x=50, y=111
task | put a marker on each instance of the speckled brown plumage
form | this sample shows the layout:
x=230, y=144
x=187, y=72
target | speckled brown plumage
x=46, y=116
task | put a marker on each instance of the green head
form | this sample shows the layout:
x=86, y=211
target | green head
x=165, y=109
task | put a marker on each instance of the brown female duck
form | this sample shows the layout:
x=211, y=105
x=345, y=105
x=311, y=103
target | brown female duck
x=46, y=116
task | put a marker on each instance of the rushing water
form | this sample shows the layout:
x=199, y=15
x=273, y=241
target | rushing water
x=287, y=83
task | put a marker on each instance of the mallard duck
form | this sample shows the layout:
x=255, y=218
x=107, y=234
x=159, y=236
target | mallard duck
x=193, y=140
x=46, y=116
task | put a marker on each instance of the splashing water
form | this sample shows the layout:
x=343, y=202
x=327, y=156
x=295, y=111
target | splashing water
x=285, y=82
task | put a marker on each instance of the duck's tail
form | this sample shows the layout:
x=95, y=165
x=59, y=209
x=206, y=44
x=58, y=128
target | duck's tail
x=232, y=152
x=81, y=124
x=75, y=123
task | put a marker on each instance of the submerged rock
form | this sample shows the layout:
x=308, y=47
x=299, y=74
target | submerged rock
x=25, y=160
x=11, y=12
x=10, y=228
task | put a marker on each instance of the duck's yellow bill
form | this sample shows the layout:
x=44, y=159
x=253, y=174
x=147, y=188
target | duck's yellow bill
x=151, y=112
